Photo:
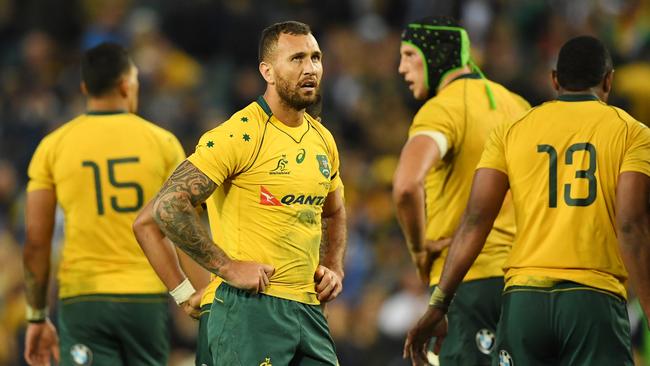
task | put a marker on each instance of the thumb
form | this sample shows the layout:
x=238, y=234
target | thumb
x=320, y=272
x=268, y=269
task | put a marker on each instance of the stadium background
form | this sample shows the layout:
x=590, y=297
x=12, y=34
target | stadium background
x=198, y=64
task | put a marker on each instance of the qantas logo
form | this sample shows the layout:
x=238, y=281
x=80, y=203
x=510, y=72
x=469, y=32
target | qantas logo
x=268, y=199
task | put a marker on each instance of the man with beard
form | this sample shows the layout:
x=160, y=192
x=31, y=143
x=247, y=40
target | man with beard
x=268, y=175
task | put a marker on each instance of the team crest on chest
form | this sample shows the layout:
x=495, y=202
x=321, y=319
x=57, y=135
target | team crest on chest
x=323, y=165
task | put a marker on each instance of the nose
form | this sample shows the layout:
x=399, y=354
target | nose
x=310, y=67
x=401, y=69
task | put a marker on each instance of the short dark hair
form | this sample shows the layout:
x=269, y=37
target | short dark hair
x=271, y=34
x=582, y=63
x=102, y=66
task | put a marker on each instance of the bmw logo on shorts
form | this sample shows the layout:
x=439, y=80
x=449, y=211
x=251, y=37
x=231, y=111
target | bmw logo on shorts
x=485, y=341
x=505, y=359
x=81, y=355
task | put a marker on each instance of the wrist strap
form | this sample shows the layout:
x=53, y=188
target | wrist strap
x=36, y=315
x=439, y=299
x=182, y=292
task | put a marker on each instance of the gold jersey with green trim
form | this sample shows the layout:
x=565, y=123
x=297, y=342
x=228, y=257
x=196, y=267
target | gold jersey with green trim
x=461, y=115
x=563, y=160
x=103, y=168
x=273, y=181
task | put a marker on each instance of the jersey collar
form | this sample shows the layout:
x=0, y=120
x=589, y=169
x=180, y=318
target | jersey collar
x=264, y=105
x=470, y=75
x=105, y=113
x=577, y=97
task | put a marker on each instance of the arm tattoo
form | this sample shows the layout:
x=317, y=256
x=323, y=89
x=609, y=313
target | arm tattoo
x=324, y=239
x=175, y=214
x=334, y=240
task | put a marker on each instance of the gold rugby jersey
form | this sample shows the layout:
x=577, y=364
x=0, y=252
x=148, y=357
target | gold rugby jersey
x=104, y=167
x=273, y=180
x=462, y=114
x=563, y=160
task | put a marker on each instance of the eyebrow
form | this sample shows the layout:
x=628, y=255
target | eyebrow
x=303, y=54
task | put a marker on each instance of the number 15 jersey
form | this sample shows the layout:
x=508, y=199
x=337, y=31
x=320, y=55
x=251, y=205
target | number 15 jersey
x=103, y=168
x=563, y=160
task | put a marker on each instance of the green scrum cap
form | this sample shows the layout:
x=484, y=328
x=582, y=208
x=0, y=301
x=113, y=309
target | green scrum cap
x=444, y=47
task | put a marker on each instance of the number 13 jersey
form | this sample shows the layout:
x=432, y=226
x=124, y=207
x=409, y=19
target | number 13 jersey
x=563, y=160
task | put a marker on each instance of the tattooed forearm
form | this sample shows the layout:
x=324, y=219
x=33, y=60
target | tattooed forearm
x=324, y=239
x=334, y=240
x=175, y=214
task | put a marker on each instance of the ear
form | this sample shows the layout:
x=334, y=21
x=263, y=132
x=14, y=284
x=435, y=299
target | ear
x=266, y=69
x=84, y=89
x=123, y=86
x=607, y=81
x=556, y=84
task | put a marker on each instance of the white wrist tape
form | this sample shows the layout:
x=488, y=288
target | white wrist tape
x=35, y=315
x=182, y=292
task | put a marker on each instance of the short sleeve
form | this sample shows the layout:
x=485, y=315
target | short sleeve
x=224, y=151
x=434, y=118
x=335, y=178
x=494, y=156
x=637, y=154
x=40, y=167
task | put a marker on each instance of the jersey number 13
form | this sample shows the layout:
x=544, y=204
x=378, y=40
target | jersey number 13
x=580, y=174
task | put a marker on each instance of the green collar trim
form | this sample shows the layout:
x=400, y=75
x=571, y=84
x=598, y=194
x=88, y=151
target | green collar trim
x=577, y=98
x=471, y=75
x=105, y=113
x=264, y=105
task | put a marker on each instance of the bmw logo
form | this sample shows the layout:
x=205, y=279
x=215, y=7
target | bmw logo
x=505, y=359
x=485, y=341
x=81, y=355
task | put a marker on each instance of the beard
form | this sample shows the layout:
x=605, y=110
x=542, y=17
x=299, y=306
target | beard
x=290, y=95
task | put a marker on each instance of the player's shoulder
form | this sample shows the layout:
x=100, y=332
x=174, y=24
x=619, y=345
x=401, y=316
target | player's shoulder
x=504, y=94
x=320, y=128
x=624, y=117
x=59, y=133
x=254, y=116
x=440, y=106
x=247, y=124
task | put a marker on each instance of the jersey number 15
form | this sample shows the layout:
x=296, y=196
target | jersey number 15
x=580, y=174
x=111, y=163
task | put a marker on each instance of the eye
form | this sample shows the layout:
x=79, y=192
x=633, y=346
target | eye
x=316, y=57
x=296, y=58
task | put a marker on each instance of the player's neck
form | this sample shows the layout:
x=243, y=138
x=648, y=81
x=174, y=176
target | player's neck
x=282, y=111
x=107, y=104
x=452, y=76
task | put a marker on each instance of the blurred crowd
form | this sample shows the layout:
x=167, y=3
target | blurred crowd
x=198, y=64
